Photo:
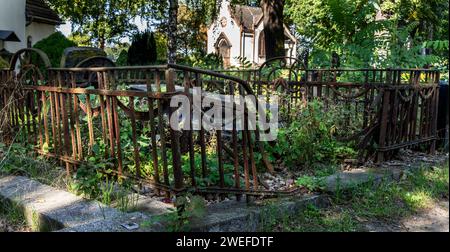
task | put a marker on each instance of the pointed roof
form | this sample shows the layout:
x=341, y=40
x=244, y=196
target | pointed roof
x=8, y=36
x=249, y=17
x=246, y=16
x=39, y=11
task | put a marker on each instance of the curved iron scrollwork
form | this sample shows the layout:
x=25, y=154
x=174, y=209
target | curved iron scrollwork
x=30, y=63
x=280, y=67
x=29, y=51
x=28, y=67
x=87, y=79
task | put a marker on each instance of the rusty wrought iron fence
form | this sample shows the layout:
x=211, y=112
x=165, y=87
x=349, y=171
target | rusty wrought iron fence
x=388, y=109
x=117, y=118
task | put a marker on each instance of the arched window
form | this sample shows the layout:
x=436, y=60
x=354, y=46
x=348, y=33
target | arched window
x=224, y=51
x=223, y=47
x=262, y=45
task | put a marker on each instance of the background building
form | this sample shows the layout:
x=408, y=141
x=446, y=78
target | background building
x=239, y=32
x=25, y=22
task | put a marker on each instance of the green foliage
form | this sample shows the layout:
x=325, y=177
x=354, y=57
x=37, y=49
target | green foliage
x=143, y=49
x=105, y=21
x=54, y=46
x=392, y=200
x=188, y=208
x=393, y=52
x=436, y=45
x=191, y=29
x=311, y=183
x=86, y=182
x=81, y=39
x=244, y=63
x=382, y=201
x=372, y=33
x=372, y=202
x=424, y=185
x=113, y=52
x=13, y=214
x=122, y=60
x=161, y=47
x=310, y=138
x=311, y=219
x=15, y=159
x=210, y=61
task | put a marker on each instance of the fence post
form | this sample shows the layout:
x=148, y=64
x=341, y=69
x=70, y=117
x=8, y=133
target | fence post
x=435, y=110
x=175, y=137
x=383, y=125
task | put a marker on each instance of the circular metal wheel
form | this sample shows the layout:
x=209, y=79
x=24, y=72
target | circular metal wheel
x=91, y=76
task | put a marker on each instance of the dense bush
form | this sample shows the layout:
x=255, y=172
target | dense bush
x=143, y=49
x=54, y=46
x=122, y=60
x=311, y=138
x=209, y=61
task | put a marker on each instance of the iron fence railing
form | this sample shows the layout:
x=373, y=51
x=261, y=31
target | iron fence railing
x=118, y=118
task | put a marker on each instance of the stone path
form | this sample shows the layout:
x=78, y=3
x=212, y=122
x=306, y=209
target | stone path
x=49, y=209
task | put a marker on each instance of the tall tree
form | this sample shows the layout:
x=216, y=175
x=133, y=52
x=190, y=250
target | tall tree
x=172, y=31
x=273, y=27
x=104, y=22
x=143, y=49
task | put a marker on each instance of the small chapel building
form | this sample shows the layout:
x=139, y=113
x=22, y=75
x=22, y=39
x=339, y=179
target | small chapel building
x=238, y=32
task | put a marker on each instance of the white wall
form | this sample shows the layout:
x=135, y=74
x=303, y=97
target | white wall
x=39, y=31
x=231, y=30
x=12, y=17
x=233, y=33
x=247, y=46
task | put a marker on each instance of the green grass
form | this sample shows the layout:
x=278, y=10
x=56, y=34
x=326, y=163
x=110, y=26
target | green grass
x=313, y=220
x=12, y=215
x=20, y=161
x=387, y=201
x=392, y=199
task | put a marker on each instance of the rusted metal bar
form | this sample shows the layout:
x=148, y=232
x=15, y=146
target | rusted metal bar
x=199, y=83
x=153, y=147
x=187, y=87
x=134, y=138
x=384, y=124
x=117, y=136
x=175, y=138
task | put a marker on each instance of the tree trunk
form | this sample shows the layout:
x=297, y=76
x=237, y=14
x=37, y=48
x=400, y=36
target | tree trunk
x=172, y=31
x=273, y=27
x=102, y=42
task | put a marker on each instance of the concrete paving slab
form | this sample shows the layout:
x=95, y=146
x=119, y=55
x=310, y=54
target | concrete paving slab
x=47, y=208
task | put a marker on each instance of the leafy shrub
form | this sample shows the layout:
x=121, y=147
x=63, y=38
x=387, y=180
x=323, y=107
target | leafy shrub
x=311, y=183
x=244, y=63
x=210, y=61
x=86, y=181
x=188, y=208
x=310, y=138
x=54, y=46
x=143, y=49
x=122, y=59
